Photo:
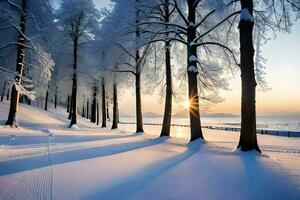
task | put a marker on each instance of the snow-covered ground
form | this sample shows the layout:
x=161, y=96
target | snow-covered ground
x=45, y=160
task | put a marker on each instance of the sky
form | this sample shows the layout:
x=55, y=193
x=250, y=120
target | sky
x=283, y=70
x=283, y=77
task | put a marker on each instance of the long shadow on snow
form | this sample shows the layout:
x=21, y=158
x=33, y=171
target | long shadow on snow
x=129, y=185
x=37, y=125
x=29, y=163
x=281, y=187
x=260, y=177
x=43, y=139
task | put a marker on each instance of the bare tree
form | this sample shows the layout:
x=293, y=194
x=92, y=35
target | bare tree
x=103, y=104
x=195, y=27
x=115, y=102
x=20, y=18
x=75, y=27
x=14, y=100
x=78, y=20
x=162, y=12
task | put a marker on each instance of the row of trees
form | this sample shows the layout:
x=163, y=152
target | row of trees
x=195, y=40
x=209, y=32
x=38, y=31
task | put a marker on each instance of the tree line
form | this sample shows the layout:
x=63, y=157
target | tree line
x=78, y=51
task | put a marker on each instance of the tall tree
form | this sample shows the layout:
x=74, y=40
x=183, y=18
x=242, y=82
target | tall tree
x=138, y=101
x=46, y=100
x=272, y=15
x=94, y=106
x=79, y=19
x=31, y=21
x=195, y=26
x=87, y=109
x=125, y=37
x=98, y=113
x=14, y=100
x=103, y=104
x=68, y=104
x=248, y=140
x=165, y=12
x=115, y=102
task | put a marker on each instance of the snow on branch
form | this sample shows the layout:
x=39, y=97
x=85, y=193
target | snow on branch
x=246, y=15
x=193, y=69
x=21, y=89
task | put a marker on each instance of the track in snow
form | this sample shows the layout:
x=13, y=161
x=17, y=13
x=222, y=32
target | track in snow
x=33, y=184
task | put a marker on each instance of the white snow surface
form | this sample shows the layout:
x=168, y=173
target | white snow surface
x=46, y=160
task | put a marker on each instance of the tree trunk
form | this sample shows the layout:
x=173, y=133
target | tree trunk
x=196, y=131
x=248, y=139
x=83, y=112
x=103, y=104
x=107, y=111
x=118, y=116
x=115, y=107
x=7, y=95
x=166, y=126
x=93, y=111
x=71, y=105
x=87, y=109
x=46, y=100
x=3, y=91
x=14, y=100
x=55, y=100
x=98, y=113
x=139, y=117
x=74, y=87
x=138, y=103
x=68, y=104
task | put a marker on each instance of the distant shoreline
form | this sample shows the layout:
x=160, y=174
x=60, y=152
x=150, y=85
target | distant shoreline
x=212, y=115
x=285, y=133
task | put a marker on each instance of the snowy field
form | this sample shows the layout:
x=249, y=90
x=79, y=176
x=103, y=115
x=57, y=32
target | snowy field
x=45, y=160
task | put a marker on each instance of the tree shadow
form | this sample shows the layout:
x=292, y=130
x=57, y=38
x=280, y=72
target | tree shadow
x=30, y=163
x=126, y=187
x=265, y=178
x=43, y=139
